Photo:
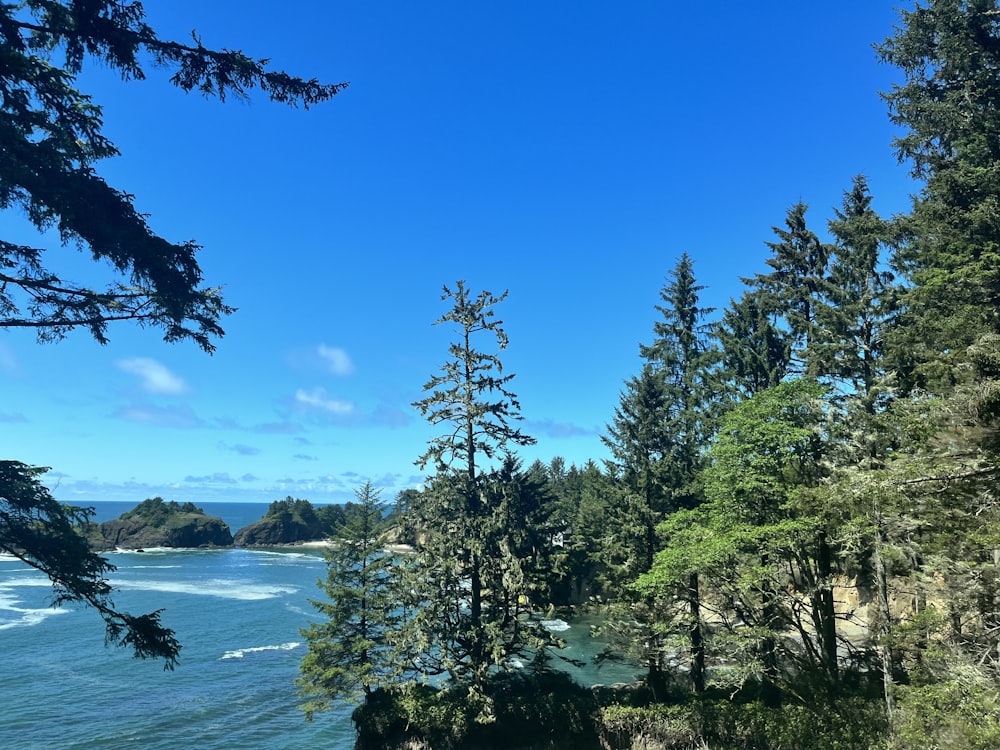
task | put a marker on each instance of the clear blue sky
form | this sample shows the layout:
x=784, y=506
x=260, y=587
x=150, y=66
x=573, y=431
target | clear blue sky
x=566, y=151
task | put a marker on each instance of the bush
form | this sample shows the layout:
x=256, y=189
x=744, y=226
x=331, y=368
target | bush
x=540, y=710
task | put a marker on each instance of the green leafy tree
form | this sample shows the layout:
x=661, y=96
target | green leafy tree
x=52, y=138
x=761, y=543
x=348, y=652
x=45, y=535
x=472, y=606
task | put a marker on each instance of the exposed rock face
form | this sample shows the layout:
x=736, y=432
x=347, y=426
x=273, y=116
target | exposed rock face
x=184, y=530
x=270, y=531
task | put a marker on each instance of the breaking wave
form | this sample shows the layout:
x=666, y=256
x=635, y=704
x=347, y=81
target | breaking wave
x=219, y=587
x=239, y=653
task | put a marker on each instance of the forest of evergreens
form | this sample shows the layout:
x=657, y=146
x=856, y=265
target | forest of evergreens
x=796, y=532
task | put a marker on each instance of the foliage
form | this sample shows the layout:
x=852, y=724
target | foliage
x=45, y=535
x=156, y=512
x=52, y=139
x=348, y=652
x=469, y=584
x=949, y=53
x=534, y=710
x=846, y=723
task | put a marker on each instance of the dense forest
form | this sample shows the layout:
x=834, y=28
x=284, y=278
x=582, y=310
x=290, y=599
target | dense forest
x=796, y=532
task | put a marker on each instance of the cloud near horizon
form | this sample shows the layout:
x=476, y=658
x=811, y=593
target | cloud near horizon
x=153, y=376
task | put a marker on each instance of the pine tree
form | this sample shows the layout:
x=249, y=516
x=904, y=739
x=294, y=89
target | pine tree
x=657, y=441
x=472, y=607
x=755, y=353
x=793, y=289
x=348, y=652
x=949, y=53
x=860, y=300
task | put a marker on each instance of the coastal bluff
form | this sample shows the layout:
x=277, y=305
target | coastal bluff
x=156, y=523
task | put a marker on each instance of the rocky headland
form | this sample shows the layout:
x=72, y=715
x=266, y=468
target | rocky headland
x=155, y=523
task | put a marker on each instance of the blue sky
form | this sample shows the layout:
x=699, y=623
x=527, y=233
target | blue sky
x=566, y=151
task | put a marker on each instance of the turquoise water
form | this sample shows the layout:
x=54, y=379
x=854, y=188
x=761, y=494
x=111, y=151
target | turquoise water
x=237, y=613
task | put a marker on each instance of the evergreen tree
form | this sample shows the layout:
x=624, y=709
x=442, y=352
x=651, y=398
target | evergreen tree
x=472, y=599
x=860, y=300
x=793, y=289
x=755, y=354
x=949, y=53
x=348, y=652
x=657, y=440
x=45, y=535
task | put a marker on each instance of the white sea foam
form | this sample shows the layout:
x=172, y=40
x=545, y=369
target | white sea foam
x=12, y=616
x=555, y=626
x=219, y=587
x=241, y=652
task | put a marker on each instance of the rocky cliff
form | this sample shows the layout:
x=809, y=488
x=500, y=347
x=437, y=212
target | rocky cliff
x=277, y=531
x=154, y=523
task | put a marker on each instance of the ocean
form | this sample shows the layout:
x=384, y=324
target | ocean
x=237, y=613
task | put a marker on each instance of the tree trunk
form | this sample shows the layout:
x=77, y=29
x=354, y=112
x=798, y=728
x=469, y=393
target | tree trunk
x=697, y=637
x=827, y=608
x=884, y=620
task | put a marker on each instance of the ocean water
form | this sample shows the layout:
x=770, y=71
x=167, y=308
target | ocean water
x=237, y=613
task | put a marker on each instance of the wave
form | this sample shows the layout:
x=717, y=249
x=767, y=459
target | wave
x=241, y=652
x=219, y=587
x=555, y=626
x=21, y=617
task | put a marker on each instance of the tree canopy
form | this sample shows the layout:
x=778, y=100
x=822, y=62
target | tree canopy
x=52, y=139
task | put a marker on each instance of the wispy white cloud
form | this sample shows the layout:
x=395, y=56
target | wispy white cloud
x=337, y=360
x=317, y=398
x=164, y=416
x=305, y=457
x=153, y=376
x=12, y=416
x=219, y=477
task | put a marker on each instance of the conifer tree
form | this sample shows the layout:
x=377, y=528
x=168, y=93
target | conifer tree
x=860, y=296
x=949, y=54
x=755, y=353
x=472, y=606
x=793, y=289
x=348, y=652
x=657, y=441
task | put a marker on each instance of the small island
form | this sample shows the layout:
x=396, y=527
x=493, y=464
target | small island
x=158, y=523
x=292, y=521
